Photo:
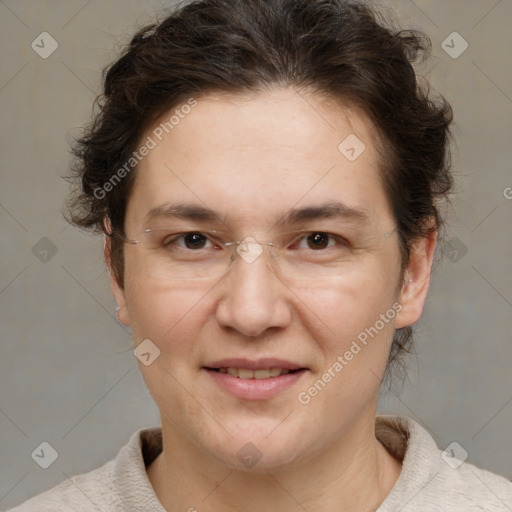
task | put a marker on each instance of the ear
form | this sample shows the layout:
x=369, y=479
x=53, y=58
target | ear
x=115, y=286
x=416, y=280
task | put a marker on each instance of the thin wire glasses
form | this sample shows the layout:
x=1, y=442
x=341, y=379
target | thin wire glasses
x=175, y=252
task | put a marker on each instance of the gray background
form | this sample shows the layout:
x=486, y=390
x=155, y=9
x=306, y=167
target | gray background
x=67, y=372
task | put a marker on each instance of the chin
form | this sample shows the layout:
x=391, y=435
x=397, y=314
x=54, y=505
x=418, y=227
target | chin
x=258, y=448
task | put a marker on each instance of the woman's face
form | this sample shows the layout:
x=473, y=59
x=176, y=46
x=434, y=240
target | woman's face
x=325, y=308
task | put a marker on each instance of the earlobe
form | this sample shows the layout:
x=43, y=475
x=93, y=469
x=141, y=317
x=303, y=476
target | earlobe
x=416, y=280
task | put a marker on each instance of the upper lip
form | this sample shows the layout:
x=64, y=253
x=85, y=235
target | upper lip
x=254, y=364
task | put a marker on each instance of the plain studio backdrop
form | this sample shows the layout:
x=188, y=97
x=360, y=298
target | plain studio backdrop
x=68, y=376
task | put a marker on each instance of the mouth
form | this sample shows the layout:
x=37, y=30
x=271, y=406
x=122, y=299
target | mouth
x=261, y=374
x=254, y=380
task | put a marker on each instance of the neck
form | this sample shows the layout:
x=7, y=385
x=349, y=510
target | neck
x=354, y=474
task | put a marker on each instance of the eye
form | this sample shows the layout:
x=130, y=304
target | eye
x=191, y=240
x=317, y=240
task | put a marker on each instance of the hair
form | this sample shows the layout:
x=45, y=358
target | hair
x=337, y=49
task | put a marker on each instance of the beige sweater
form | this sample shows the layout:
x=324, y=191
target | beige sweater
x=429, y=482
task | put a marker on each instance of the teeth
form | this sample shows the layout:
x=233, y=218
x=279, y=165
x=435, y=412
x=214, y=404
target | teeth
x=275, y=372
x=233, y=372
x=244, y=373
x=262, y=374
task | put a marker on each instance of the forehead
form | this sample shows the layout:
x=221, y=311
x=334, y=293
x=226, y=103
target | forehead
x=252, y=157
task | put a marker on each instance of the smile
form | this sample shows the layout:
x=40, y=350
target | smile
x=254, y=380
x=246, y=373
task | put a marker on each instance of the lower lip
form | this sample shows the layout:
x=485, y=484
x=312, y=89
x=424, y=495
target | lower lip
x=255, y=389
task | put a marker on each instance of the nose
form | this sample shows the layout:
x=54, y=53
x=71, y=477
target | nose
x=254, y=299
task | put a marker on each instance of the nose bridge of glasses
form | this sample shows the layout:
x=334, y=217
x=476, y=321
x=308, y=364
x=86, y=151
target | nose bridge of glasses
x=249, y=249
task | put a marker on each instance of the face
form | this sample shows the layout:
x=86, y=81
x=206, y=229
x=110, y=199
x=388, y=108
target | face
x=321, y=305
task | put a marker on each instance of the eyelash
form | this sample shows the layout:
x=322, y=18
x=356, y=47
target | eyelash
x=332, y=238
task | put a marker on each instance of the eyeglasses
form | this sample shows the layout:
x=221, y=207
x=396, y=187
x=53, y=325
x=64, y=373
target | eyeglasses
x=176, y=253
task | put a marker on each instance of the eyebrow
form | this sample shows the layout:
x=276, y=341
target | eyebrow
x=184, y=211
x=194, y=212
x=191, y=212
x=328, y=210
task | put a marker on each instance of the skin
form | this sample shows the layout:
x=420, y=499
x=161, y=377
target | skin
x=252, y=158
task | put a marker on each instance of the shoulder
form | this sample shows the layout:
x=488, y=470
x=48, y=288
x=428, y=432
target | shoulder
x=120, y=484
x=82, y=493
x=469, y=488
x=434, y=480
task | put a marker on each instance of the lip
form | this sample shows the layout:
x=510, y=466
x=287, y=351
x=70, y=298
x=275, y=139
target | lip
x=255, y=389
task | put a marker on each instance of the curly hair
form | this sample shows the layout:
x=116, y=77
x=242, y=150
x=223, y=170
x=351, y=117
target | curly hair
x=339, y=49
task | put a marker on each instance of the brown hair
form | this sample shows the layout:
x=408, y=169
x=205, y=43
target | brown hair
x=335, y=48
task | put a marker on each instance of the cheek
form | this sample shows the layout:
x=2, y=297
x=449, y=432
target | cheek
x=168, y=316
x=352, y=303
x=164, y=315
x=173, y=320
x=355, y=341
